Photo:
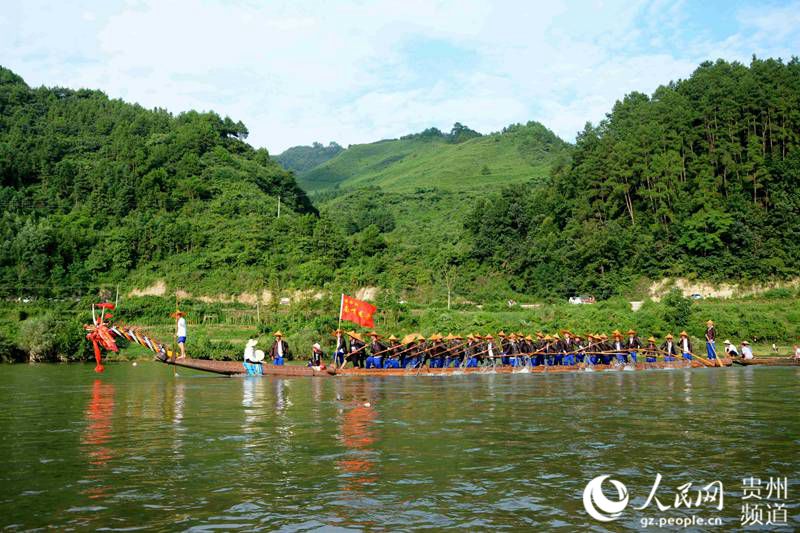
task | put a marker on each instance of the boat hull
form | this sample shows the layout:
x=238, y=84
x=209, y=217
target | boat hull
x=768, y=361
x=235, y=368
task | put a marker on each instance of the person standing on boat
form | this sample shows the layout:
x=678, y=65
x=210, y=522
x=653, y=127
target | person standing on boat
x=686, y=346
x=341, y=348
x=357, y=348
x=669, y=348
x=377, y=349
x=650, y=350
x=747, y=352
x=490, y=351
x=279, y=349
x=180, y=332
x=456, y=352
x=730, y=349
x=711, y=335
x=633, y=344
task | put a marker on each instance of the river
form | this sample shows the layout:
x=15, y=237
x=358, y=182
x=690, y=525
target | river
x=140, y=447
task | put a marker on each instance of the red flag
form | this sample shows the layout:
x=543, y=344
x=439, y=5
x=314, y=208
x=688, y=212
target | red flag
x=357, y=311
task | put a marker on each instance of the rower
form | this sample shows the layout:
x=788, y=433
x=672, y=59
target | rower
x=474, y=357
x=669, y=348
x=568, y=347
x=618, y=347
x=279, y=349
x=528, y=349
x=436, y=351
x=538, y=347
x=490, y=350
x=557, y=349
x=633, y=344
x=340, y=349
x=390, y=361
x=512, y=350
x=580, y=348
x=376, y=347
x=711, y=335
x=651, y=350
x=457, y=352
x=686, y=346
x=357, y=347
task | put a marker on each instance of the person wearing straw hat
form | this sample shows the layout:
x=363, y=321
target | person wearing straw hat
x=747, y=351
x=711, y=336
x=180, y=331
x=730, y=349
x=376, y=348
x=340, y=349
x=357, y=348
x=390, y=361
x=455, y=352
x=619, y=347
x=252, y=360
x=650, y=350
x=435, y=353
x=686, y=346
x=568, y=347
x=279, y=349
x=472, y=350
x=315, y=360
x=669, y=348
x=633, y=344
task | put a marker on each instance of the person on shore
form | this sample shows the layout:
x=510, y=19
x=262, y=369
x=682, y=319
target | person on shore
x=711, y=336
x=686, y=346
x=252, y=359
x=377, y=350
x=340, y=348
x=315, y=360
x=279, y=349
x=650, y=350
x=730, y=349
x=633, y=344
x=357, y=347
x=180, y=332
x=747, y=352
x=669, y=348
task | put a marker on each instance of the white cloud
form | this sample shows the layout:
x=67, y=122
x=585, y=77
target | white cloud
x=296, y=72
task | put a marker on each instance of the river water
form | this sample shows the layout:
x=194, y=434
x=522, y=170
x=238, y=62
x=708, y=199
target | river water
x=140, y=447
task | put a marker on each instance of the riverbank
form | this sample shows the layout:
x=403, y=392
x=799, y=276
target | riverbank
x=52, y=330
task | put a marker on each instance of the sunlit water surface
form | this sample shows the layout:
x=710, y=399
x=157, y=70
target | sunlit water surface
x=140, y=447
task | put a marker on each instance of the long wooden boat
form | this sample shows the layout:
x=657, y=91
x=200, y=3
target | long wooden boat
x=236, y=368
x=768, y=361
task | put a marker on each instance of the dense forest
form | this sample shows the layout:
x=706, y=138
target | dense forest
x=301, y=159
x=701, y=179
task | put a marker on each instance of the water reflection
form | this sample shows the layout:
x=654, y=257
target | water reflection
x=357, y=435
x=99, y=415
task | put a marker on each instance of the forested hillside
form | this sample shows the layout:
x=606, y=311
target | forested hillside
x=701, y=179
x=300, y=159
x=93, y=189
x=458, y=160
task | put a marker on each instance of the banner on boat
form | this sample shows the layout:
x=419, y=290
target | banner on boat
x=357, y=311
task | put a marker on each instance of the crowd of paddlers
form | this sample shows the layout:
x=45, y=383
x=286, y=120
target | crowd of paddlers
x=563, y=348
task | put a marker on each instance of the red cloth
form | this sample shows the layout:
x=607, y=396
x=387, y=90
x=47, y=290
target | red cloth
x=358, y=311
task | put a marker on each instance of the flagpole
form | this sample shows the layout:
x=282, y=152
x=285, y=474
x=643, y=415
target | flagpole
x=341, y=307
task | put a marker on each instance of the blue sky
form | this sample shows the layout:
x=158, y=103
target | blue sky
x=358, y=71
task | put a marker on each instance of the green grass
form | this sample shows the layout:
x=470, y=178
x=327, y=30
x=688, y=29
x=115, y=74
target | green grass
x=404, y=165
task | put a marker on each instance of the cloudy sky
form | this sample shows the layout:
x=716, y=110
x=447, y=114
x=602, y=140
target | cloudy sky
x=353, y=72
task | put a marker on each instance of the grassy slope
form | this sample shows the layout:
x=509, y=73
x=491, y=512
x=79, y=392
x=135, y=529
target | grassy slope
x=403, y=165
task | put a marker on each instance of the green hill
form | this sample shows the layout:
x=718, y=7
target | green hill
x=300, y=159
x=450, y=162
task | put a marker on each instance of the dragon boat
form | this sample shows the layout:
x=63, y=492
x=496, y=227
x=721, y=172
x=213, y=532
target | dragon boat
x=236, y=368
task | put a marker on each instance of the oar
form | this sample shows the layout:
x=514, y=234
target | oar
x=344, y=364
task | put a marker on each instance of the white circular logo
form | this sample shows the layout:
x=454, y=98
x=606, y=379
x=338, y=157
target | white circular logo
x=598, y=506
